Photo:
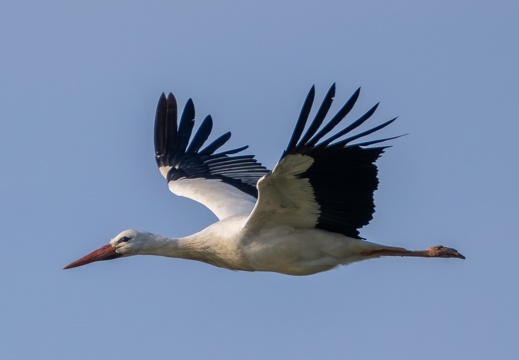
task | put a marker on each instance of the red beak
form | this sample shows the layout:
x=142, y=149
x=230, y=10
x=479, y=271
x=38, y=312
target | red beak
x=106, y=252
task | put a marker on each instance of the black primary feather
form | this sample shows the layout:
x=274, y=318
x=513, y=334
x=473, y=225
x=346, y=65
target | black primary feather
x=186, y=160
x=186, y=127
x=201, y=135
x=343, y=176
x=321, y=114
x=303, y=117
x=336, y=119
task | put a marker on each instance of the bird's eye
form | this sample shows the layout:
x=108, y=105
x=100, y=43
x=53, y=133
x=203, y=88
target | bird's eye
x=123, y=239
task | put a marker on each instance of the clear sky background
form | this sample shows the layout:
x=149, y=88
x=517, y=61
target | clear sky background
x=79, y=82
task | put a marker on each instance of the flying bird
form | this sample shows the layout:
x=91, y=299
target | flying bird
x=300, y=218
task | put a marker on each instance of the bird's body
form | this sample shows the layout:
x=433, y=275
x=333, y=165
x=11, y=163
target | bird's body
x=282, y=249
x=300, y=218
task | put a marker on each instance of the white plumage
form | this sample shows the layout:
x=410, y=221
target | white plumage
x=221, y=198
x=300, y=218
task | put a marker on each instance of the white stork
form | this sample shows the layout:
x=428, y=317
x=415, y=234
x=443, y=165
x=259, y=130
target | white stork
x=300, y=218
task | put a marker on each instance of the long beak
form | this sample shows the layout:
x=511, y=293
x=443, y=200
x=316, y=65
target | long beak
x=106, y=252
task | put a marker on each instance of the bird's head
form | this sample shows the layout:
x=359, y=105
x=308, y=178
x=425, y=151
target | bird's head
x=127, y=243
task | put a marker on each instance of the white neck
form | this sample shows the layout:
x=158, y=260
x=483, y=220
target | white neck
x=198, y=246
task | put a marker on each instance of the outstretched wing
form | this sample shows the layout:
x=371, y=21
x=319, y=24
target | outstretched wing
x=322, y=181
x=225, y=184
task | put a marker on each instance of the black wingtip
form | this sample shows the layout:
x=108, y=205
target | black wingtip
x=301, y=122
x=185, y=128
x=320, y=116
x=352, y=126
x=216, y=144
x=171, y=99
x=201, y=135
x=341, y=114
x=344, y=142
x=165, y=125
x=189, y=112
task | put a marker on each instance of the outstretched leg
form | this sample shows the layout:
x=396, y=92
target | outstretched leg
x=433, y=251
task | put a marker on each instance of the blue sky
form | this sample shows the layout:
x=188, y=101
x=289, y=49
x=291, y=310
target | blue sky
x=79, y=86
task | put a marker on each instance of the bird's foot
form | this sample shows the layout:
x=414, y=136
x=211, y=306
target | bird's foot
x=444, y=252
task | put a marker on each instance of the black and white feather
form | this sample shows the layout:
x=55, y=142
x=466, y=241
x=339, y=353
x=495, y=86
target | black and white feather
x=224, y=183
x=322, y=181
